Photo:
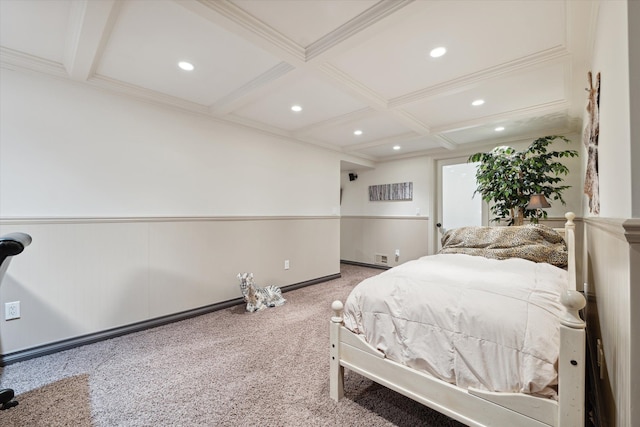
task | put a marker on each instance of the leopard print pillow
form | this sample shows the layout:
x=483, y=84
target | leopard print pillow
x=534, y=242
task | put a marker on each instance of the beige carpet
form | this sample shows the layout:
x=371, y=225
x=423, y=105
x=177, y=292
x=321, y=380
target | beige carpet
x=228, y=368
x=61, y=403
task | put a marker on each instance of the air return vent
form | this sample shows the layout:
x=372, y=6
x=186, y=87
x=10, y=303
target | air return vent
x=382, y=259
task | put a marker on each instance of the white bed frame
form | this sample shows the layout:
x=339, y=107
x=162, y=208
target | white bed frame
x=470, y=406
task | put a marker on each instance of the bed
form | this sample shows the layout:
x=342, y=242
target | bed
x=477, y=332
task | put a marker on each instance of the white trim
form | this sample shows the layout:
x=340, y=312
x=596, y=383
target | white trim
x=95, y=220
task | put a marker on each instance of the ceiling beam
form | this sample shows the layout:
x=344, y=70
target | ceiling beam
x=526, y=64
x=356, y=30
x=266, y=82
x=235, y=20
x=536, y=110
x=397, y=139
x=90, y=25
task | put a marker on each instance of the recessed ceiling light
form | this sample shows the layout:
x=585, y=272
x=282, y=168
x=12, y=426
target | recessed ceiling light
x=396, y=147
x=477, y=102
x=438, y=52
x=357, y=132
x=296, y=108
x=499, y=129
x=187, y=66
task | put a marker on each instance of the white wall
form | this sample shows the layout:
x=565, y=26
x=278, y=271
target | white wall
x=614, y=237
x=355, y=194
x=139, y=210
x=634, y=103
x=370, y=228
x=611, y=59
x=71, y=151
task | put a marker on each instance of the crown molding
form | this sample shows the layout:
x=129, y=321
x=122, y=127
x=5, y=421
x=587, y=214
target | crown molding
x=12, y=59
x=141, y=93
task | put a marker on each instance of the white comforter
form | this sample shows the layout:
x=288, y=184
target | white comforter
x=468, y=320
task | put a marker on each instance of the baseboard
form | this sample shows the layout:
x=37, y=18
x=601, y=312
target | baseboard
x=311, y=282
x=43, y=350
x=363, y=264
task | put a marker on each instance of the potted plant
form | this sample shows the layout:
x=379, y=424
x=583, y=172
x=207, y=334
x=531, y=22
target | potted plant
x=507, y=178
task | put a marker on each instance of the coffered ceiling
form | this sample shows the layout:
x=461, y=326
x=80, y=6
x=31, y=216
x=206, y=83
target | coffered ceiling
x=350, y=64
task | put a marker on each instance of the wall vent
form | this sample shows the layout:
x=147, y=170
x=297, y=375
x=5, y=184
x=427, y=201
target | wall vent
x=382, y=259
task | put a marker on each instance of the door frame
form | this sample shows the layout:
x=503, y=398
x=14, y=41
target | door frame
x=439, y=164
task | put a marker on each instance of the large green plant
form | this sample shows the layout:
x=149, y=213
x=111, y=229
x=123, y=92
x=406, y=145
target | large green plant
x=506, y=178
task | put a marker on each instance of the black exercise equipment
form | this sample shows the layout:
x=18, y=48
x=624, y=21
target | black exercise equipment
x=10, y=244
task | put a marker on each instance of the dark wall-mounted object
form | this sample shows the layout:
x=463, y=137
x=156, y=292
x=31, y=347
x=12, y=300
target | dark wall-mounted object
x=353, y=176
x=10, y=245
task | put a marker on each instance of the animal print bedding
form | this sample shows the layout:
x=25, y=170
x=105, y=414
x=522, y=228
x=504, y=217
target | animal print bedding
x=537, y=243
x=468, y=320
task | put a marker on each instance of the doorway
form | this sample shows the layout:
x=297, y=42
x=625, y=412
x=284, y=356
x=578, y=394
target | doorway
x=457, y=206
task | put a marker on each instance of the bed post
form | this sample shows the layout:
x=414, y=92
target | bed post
x=571, y=362
x=572, y=358
x=570, y=238
x=336, y=371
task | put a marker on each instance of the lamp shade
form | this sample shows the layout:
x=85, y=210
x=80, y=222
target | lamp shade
x=537, y=201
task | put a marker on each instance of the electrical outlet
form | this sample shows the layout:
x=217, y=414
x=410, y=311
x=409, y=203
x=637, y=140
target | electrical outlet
x=11, y=310
x=286, y=264
x=397, y=253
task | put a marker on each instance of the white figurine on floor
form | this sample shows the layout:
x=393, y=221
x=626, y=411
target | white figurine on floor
x=259, y=298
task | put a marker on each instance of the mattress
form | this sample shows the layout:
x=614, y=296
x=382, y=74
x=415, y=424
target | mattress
x=468, y=320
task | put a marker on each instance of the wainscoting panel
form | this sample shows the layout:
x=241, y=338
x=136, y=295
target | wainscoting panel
x=612, y=281
x=86, y=275
x=365, y=239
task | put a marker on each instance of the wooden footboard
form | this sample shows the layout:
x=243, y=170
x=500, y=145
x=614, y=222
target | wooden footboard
x=475, y=407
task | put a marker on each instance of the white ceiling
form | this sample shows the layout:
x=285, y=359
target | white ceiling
x=351, y=64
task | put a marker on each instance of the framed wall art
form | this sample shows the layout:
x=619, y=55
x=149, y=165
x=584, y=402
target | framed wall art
x=398, y=191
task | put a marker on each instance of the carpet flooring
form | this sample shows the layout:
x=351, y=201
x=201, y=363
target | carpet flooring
x=226, y=368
